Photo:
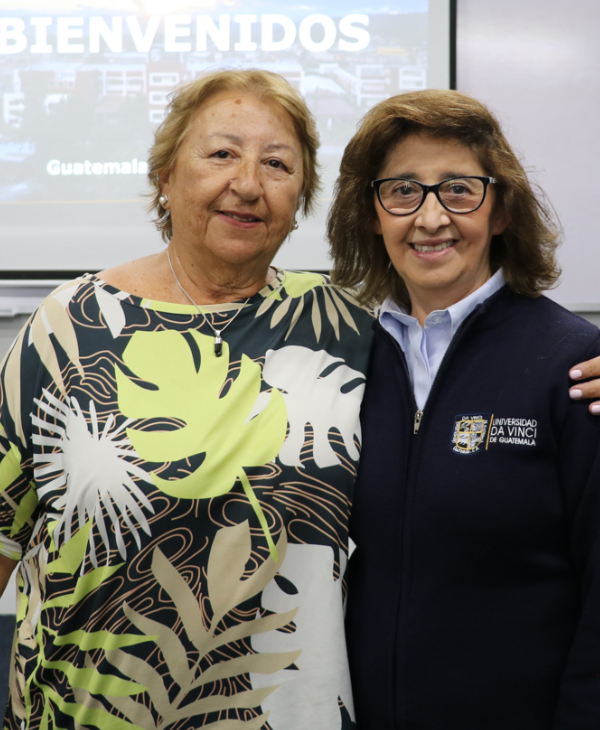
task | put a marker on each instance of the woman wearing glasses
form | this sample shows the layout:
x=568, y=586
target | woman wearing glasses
x=474, y=591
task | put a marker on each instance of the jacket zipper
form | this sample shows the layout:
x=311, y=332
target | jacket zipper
x=418, y=417
x=402, y=356
x=418, y=413
x=416, y=410
x=417, y=423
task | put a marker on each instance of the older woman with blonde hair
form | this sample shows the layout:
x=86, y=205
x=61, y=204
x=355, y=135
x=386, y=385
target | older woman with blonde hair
x=178, y=443
x=474, y=590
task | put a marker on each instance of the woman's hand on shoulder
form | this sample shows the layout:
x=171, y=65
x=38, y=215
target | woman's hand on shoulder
x=590, y=389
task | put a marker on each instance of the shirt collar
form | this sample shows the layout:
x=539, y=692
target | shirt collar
x=457, y=312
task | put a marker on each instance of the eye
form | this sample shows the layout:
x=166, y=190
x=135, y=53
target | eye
x=403, y=188
x=457, y=188
x=277, y=165
x=222, y=154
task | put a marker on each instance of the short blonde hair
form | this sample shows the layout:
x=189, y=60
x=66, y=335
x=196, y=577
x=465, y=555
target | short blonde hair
x=186, y=101
x=526, y=250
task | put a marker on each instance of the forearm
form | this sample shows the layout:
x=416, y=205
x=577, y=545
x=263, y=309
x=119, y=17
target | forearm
x=6, y=568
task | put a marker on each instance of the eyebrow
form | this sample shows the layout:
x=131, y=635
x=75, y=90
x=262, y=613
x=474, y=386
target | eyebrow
x=238, y=140
x=223, y=135
x=445, y=175
x=280, y=146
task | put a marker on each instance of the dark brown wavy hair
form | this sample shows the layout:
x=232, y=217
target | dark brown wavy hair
x=526, y=250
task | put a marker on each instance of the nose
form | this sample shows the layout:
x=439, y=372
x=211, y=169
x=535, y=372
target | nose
x=432, y=215
x=247, y=181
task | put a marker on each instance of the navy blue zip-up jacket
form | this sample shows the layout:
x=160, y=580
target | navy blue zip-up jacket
x=474, y=591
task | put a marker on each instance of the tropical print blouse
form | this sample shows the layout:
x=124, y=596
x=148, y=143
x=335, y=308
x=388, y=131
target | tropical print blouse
x=181, y=519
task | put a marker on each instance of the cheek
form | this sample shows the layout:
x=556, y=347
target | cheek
x=395, y=230
x=286, y=202
x=496, y=222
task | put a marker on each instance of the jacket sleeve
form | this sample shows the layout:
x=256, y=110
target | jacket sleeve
x=18, y=499
x=579, y=464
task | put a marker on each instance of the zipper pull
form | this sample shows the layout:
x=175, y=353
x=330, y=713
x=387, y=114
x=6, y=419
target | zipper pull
x=418, y=417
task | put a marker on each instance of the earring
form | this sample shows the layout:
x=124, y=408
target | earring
x=163, y=200
x=294, y=225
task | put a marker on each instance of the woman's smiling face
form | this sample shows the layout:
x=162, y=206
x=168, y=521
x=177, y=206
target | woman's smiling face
x=441, y=256
x=235, y=186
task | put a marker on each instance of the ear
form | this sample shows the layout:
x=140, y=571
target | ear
x=164, y=181
x=499, y=224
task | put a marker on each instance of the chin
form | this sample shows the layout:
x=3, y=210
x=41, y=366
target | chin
x=245, y=252
x=436, y=285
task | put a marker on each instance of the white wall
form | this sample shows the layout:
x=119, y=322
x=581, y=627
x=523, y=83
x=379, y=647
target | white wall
x=9, y=329
x=536, y=63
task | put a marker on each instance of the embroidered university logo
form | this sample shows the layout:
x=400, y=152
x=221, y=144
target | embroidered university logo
x=470, y=433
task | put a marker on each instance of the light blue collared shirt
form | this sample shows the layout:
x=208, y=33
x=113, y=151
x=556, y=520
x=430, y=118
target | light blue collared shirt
x=425, y=347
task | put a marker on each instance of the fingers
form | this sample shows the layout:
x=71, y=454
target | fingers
x=581, y=393
x=589, y=390
x=587, y=369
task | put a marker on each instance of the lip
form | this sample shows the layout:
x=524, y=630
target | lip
x=252, y=220
x=433, y=243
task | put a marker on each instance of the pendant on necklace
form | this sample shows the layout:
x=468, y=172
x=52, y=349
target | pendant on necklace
x=218, y=343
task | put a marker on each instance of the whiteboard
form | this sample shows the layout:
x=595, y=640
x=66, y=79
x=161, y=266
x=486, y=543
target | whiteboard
x=85, y=84
x=536, y=64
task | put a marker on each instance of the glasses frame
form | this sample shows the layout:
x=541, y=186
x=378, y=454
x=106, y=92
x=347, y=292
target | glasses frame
x=435, y=189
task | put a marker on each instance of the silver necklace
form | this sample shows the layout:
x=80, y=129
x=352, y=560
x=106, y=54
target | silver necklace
x=217, y=333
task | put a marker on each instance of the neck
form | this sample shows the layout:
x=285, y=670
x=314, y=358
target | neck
x=215, y=284
x=423, y=303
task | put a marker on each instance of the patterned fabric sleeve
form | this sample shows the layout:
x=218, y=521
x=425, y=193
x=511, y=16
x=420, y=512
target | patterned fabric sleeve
x=18, y=499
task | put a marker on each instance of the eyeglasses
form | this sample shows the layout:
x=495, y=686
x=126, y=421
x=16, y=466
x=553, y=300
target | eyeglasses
x=402, y=196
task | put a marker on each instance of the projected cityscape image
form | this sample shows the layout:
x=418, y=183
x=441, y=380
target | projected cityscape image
x=83, y=85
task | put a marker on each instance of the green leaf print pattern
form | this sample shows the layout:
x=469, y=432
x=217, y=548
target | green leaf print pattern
x=227, y=588
x=299, y=284
x=10, y=468
x=215, y=424
x=85, y=681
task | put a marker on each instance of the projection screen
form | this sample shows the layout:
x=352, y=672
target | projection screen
x=85, y=84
